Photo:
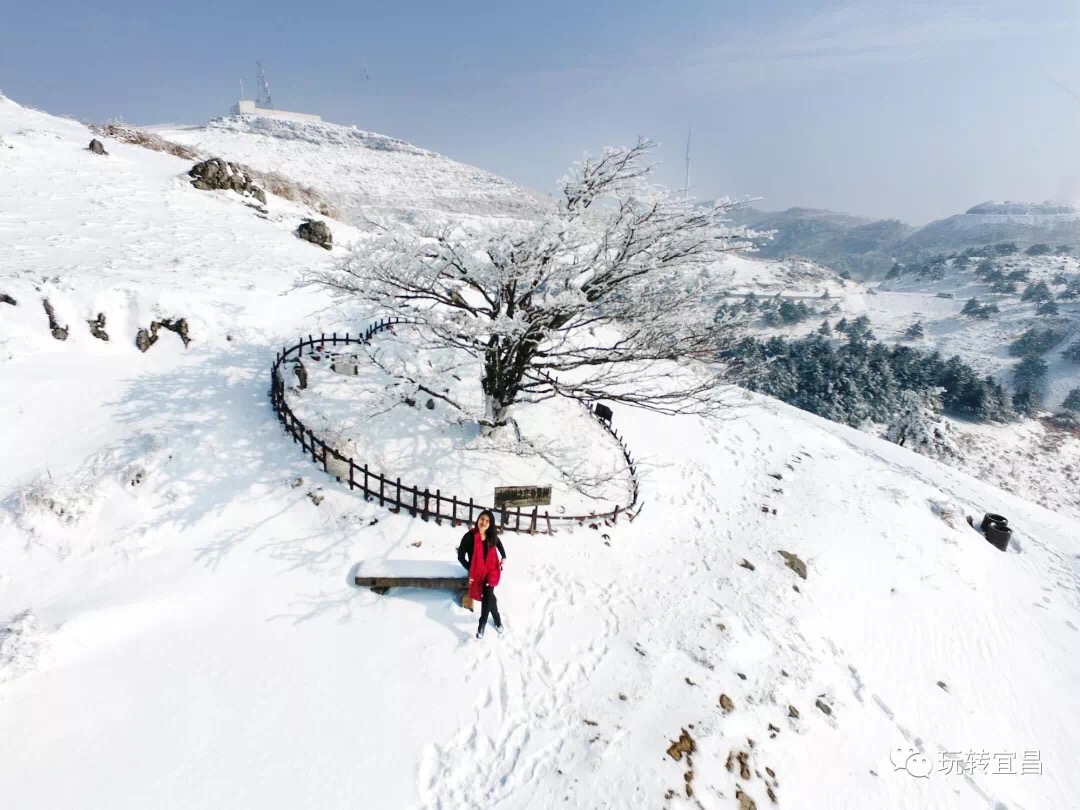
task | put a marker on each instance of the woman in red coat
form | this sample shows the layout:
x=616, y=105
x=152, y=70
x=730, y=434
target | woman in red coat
x=481, y=552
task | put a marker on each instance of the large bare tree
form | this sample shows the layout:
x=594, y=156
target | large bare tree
x=597, y=300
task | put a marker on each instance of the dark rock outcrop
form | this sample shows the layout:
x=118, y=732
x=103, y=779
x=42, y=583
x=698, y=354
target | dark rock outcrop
x=7, y=299
x=794, y=563
x=97, y=147
x=59, y=332
x=97, y=326
x=316, y=232
x=217, y=174
x=147, y=338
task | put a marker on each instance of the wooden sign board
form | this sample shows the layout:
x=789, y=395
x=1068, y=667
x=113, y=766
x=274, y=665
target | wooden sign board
x=511, y=497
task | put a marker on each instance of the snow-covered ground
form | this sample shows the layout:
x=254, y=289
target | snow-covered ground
x=178, y=627
x=367, y=175
x=368, y=416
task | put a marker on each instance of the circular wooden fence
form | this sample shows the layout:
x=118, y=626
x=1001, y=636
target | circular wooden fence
x=424, y=503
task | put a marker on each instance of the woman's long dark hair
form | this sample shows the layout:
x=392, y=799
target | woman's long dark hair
x=492, y=535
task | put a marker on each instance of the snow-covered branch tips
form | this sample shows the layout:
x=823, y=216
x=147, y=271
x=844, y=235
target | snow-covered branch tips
x=610, y=295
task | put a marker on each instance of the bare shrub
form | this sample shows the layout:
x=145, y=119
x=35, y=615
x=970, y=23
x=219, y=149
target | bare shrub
x=272, y=182
x=148, y=140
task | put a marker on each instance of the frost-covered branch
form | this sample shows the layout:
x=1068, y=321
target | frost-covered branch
x=602, y=298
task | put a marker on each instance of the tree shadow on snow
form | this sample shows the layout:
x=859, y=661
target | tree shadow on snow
x=225, y=456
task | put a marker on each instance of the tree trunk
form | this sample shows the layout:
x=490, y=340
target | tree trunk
x=505, y=363
x=496, y=415
x=500, y=383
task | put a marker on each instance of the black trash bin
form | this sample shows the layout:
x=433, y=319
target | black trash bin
x=990, y=517
x=998, y=536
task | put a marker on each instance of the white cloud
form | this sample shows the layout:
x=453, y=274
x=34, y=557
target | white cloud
x=832, y=40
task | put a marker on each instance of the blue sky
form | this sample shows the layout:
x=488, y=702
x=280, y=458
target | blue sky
x=904, y=110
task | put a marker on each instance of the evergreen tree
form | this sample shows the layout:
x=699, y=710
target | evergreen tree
x=842, y=326
x=1060, y=279
x=1021, y=274
x=859, y=330
x=863, y=380
x=1063, y=250
x=1034, y=342
x=1072, y=291
x=1029, y=378
x=1003, y=287
x=1039, y=249
x=1037, y=292
x=1047, y=308
x=915, y=330
x=972, y=308
x=792, y=312
x=917, y=425
x=987, y=271
x=825, y=330
x=1006, y=248
x=1072, y=400
x=1072, y=354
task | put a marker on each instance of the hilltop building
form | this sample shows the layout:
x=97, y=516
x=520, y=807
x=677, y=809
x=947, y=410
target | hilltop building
x=249, y=107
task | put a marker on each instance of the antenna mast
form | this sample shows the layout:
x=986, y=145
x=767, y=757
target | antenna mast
x=264, y=88
x=686, y=184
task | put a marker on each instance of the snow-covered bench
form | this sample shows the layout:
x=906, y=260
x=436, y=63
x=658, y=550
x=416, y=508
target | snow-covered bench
x=381, y=575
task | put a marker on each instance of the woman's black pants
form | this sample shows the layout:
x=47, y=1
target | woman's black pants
x=489, y=605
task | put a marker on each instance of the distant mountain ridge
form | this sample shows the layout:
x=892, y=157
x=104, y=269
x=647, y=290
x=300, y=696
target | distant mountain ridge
x=868, y=247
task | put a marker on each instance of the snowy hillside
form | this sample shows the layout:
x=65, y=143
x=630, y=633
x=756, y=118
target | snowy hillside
x=868, y=248
x=365, y=174
x=178, y=628
x=936, y=296
x=1026, y=223
x=1033, y=458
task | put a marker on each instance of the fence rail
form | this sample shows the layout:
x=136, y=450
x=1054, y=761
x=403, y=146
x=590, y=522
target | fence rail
x=424, y=503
